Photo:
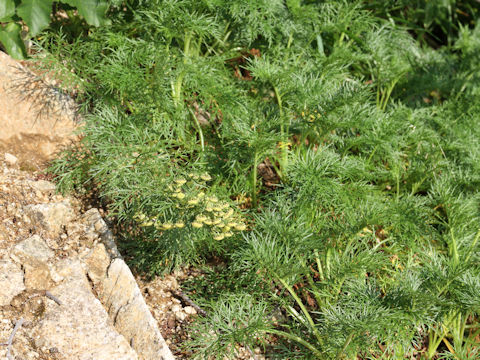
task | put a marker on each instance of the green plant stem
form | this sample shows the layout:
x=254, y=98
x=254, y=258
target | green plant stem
x=434, y=341
x=345, y=345
x=254, y=179
x=283, y=132
x=299, y=340
x=304, y=310
x=454, y=248
x=200, y=132
x=472, y=246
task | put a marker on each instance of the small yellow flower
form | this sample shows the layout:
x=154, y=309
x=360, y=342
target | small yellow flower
x=146, y=223
x=167, y=226
x=180, y=181
x=240, y=227
x=180, y=195
x=177, y=190
x=208, y=222
x=201, y=194
x=217, y=221
x=219, y=237
x=209, y=208
x=200, y=218
x=228, y=214
x=212, y=199
x=205, y=177
x=192, y=202
x=220, y=225
x=179, y=224
x=226, y=228
x=140, y=216
x=228, y=234
x=196, y=224
x=232, y=224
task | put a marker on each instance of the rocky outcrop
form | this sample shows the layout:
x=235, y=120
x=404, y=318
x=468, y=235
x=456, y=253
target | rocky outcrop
x=37, y=118
x=61, y=273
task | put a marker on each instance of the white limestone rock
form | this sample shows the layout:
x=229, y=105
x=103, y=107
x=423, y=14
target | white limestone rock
x=80, y=327
x=11, y=159
x=32, y=251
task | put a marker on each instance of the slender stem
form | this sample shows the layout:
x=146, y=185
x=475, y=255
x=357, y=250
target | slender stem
x=177, y=90
x=472, y=246
x=389, y=93
x=200, y=132
x=177, y=86
x=319, y=265
x=454, y=248
x=347, y=342
x=298, y=339
x=283, y=130
x=304, y=310
x=254, y=179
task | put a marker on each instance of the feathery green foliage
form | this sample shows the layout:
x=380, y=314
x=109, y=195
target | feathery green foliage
x=344, y=132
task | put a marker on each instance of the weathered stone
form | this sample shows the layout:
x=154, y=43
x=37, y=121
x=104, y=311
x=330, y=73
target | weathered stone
x=10, y=159
x=43, y=186
x=124, y=301
x=94, y=220
x=38, y=277
x=52, y=217
x=11, y=281
x=189, y=310
x=135, y=322
x=32, y=251
x=80, y=327
x=97, y=262
x=35, y=123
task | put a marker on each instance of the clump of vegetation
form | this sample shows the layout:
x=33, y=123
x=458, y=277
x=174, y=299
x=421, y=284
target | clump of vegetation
x=35, y=16
x=343, y=133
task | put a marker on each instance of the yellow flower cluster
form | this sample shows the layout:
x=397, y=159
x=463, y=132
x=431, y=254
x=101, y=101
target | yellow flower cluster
x=310, y=117
x=218, y=216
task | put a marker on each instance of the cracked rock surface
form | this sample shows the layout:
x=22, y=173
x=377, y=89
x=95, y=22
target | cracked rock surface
x=60, y=272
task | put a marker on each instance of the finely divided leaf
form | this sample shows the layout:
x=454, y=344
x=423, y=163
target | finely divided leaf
x=11, y=40
x=36, y=13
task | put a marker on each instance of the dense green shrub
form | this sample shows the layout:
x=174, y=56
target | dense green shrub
x=340, y=137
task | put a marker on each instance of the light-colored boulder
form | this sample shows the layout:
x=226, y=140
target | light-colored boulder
x=11, y=159
x=122, y=297
x=97, y=261
x=36, y=118
x=52, y=216
x=32, y=251
x=38, y=276
x=43, y=186
x=79, y=328
x=95, y=222
x=11, y=281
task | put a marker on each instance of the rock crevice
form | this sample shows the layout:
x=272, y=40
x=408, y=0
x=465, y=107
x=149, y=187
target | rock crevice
x=61, y=272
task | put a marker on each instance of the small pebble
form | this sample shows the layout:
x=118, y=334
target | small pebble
x=190, y=310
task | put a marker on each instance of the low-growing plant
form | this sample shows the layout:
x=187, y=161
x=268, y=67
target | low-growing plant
x=323, y=158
